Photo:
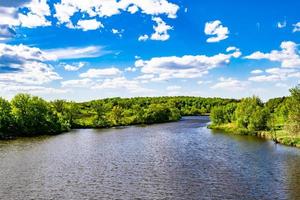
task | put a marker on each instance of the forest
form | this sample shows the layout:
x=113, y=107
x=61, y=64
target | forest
x=277, y=119
x=27, y=115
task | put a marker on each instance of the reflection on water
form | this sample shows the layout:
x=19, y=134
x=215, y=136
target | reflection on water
x=181, y=160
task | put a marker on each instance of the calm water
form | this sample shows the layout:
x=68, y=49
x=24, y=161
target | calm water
x=182, y=160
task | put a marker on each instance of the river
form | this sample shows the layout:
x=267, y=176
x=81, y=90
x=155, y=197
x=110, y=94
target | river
x=180, y=160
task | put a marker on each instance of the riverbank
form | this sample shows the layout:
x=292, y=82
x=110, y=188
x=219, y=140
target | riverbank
x=280, y=136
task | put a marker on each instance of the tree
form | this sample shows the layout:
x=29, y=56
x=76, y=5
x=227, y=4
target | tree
x=100, y=109
x=34, y=116
x=217, y=115
x=251, y=115
x=6, y=118
x=116, y=115
x=293, y=125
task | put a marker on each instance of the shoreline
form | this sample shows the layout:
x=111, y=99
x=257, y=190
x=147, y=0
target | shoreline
x=281, y=136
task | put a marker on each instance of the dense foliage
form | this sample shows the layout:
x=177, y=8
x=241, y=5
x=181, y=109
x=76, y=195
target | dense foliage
x=27, y=115
x=251, y=115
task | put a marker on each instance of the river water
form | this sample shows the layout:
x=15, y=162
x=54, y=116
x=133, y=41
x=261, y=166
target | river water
x=180, y=160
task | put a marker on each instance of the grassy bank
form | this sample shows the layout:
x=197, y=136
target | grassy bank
x=281, y=136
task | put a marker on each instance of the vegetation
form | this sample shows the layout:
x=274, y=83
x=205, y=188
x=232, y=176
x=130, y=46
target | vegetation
x=27, y=115
x=277, y=119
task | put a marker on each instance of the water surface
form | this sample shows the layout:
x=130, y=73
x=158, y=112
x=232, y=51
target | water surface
x=181, y=160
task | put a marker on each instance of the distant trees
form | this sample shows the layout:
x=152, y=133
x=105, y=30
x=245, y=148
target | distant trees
x=29, y=115
x=252, y=115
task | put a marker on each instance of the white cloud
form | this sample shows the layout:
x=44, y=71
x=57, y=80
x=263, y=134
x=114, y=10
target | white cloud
x=217, y=30
x=118, y=32
x=230, y=84
x=257, y=71
x=130, y=69
x=69, y=67
x=232, y=49
x=6, y=32
x=17, y=88
x=288, y=56
x=121, y=83
x=68, y=8
x=101, y=73
x=133, y=9
x=79, y=83
x=188, y=66
x=76, y=52
x=8, y=16
x=173, y=88
x=161, y=30
x=276, y=74
x=25, y=65
x=296, y=27
x=281, y=24
x=90, y=24
x=143, y=38
x=38, y=10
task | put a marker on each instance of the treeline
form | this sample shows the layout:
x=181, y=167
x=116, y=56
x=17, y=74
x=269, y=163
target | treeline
x=27, y=115
x=279, y=117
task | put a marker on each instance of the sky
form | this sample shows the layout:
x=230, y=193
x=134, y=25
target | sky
x=90, y=49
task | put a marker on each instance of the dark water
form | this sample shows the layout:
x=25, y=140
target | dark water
x=182, y=160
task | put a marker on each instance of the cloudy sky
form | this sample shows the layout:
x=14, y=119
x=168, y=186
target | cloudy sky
x=89, y=49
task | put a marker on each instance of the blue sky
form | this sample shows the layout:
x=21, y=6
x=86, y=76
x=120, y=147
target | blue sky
x=82, y=50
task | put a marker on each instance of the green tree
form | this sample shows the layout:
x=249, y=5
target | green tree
x=34, y=116
x=116, y=115
x=251, y=115
x=6, y=118
x=293, y=125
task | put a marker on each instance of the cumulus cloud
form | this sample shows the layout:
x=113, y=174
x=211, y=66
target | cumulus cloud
x=216, y=30
x=8, y=16
x=6, y=32
x=36, y=13
x=161, y=30
x=281, y=24
x=288, y=56
x=79, y=83
x=296, y=27
x=143, y=38
x=73, y=67
x=90, y=24
x=101, y=73
x=230, y=84
x=188, y=66
x=276, y=74
x=117, y=32
x=66, y=9
x=38, y=10
x=76, y=52
x=25, y=65
x=257, y=71
x=130, y=69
